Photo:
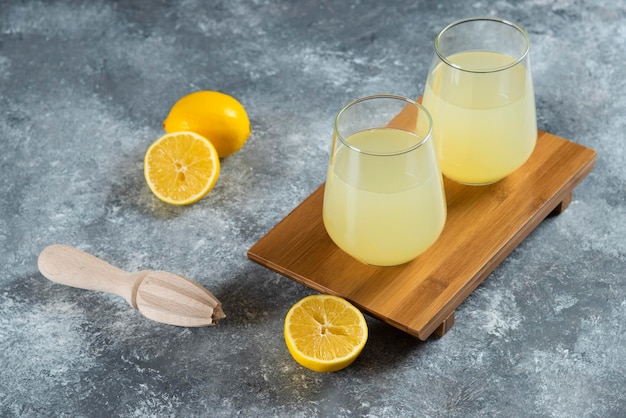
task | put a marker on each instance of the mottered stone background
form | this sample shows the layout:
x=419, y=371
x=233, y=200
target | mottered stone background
x=84, y=88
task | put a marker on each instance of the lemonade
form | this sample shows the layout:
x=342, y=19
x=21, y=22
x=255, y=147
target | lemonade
x=484, y=121
x=384, y=210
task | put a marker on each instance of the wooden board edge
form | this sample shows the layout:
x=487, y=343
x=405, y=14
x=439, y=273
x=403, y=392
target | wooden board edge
x=547, y=209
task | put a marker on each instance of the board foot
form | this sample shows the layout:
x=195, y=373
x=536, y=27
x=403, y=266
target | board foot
x=562, y=205
x=445, y=325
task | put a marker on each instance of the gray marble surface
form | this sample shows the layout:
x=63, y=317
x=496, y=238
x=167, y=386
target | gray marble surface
x=85, y=86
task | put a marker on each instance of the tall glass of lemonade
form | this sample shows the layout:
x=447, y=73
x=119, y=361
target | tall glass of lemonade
x=480, y=95
x=384, y=201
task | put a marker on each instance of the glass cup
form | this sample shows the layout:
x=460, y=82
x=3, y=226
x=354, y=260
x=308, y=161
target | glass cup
x=480, y=95
x=384, y=202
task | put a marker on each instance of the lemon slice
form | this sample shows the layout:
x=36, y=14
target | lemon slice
x=325, y=333
x=181, y=167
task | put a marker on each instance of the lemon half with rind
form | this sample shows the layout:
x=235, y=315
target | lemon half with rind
x=181, y=167
x=325, y=333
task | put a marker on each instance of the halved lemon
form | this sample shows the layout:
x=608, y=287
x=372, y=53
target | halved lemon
x=181, y=167
x=325, y=333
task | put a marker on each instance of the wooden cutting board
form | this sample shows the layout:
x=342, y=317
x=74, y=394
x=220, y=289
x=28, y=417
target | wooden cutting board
x=484, y=225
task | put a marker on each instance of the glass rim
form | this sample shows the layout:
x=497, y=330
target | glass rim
x=490, y=19
x=419, y=106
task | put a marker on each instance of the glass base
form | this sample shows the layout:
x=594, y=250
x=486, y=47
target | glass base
x=476, y=184
x=465, y=183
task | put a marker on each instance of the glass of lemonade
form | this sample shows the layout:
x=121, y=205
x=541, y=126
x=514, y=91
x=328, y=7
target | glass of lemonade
x=480, y=95
x=384, y=202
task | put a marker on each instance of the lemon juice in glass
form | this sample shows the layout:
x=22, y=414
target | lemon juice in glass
x=480, y=95
x=384, y=202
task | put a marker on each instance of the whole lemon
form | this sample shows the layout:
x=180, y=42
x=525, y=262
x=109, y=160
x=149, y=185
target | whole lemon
x=216, y=116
